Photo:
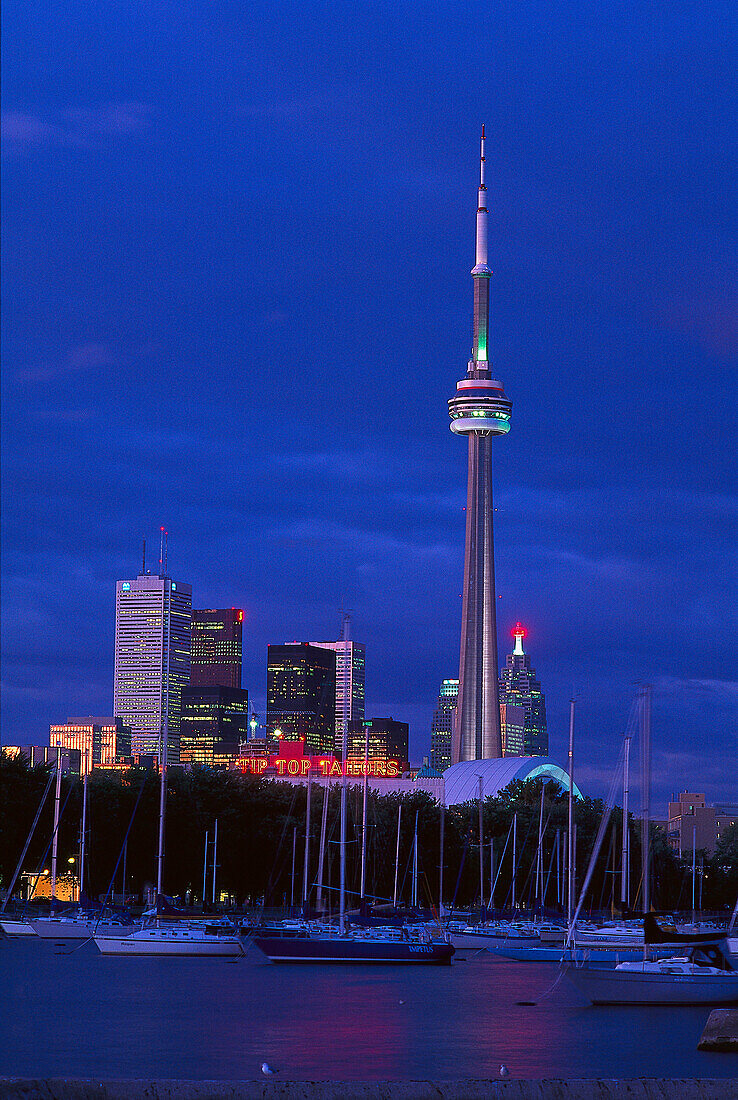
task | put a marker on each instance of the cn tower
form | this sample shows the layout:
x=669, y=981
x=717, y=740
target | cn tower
x=480, y=411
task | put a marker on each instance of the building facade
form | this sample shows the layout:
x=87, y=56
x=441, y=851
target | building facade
x=301, y=695
x=214, y=723
x=379, y=739
x=101, y=742
x=479, y=411
x=217, y=648
x=512, y=725
x=350, y=685
x=153, y=621
x=442, y=725
x=44, y=756
x=519, y=687
x=695, y=826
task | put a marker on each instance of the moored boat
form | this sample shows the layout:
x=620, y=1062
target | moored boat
x=201, y=939
x=705, y=976
x=391, y=946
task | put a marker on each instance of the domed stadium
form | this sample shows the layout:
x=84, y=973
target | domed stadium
x=462, y=780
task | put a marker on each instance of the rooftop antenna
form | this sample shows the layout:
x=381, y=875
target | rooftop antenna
x=166, y=553
x=143, y=562
x=161, y=551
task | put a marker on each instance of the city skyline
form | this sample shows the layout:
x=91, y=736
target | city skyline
x=179, y=348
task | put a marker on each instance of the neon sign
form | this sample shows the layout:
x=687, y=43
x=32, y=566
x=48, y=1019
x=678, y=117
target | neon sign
x=324, y=767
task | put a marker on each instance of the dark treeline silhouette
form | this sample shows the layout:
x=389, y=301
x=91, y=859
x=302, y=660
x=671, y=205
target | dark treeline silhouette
x=257, y=820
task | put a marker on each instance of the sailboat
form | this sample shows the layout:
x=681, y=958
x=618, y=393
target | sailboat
x=80, y=923
x=701, y=974
x=167, y=932
x=363, y=945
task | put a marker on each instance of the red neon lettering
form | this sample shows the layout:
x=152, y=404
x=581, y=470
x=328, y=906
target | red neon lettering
x=293, y=767
x=336, y=768
x=324, y=765
x=280, y=765
x=306, y=765
x=381, y=767
x=393, y=769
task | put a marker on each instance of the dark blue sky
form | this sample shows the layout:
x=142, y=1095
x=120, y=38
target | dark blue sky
x=237, y=298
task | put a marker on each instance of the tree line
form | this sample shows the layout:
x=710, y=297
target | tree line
x=261, y=835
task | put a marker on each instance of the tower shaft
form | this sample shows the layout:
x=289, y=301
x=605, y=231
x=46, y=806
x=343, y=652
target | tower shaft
x=478, y=711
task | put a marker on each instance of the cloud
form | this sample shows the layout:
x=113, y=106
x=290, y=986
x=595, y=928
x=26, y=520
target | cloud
x=81, y=357
x=73, y=127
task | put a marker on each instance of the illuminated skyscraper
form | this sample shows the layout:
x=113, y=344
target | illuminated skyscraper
x=152, y=660
x=217, y=648
x=301, y=695
x=213, y=725
x=519, y=687
x=350, y=682
x=442, y=727
x=386, y=740
x=480, y=411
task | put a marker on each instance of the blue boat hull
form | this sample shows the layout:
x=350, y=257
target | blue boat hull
x=333, y=949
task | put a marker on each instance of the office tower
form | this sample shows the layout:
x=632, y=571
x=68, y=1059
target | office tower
x=216, y=656
x=152, y=660
x=512, y=727
x=101, y=742
x=214, y=723
x=442, y=727
x=350, y=682
x=480, y=411
x=301, y=696
x=388, y=740
x=518, y=685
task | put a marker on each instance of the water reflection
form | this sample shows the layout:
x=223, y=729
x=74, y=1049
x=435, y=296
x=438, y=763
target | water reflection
x=79, y=1014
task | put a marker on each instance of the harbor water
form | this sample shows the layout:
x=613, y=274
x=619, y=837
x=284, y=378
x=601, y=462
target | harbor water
x=67, y=1011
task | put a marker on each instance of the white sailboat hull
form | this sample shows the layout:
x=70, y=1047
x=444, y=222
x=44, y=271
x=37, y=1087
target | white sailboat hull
x=481, y=940
x=617, y=987
x=17, y=928
x=50, y=929
x=170, y=944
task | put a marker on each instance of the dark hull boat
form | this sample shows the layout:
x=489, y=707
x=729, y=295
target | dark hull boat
x=340, y=949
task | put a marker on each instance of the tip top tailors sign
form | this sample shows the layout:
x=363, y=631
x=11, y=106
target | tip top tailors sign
x=324, y=767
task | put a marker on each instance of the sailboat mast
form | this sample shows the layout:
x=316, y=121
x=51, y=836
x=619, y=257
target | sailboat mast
x=205, y=870
x=363, y=812
x=539, y=854
x=292, y=878
x=306, y=863
x=625, y=870
x=397, y=853
x=514, y=856
x=164, y=741
x=55, y=837
x=83, y=839
x=570, y=838
x=321, y=849
x=215, y=857
x=481, y=846
x=414, y=901
x=645, y=710
x=440, y=865
x=342, y=891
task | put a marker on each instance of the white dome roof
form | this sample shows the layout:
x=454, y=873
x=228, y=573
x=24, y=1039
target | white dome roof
x=462, y=780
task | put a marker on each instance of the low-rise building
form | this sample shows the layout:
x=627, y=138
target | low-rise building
x=691, y=824
x=101, y=742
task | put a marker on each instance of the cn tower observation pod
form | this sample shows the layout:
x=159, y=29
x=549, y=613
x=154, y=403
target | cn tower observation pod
x=462, y=780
